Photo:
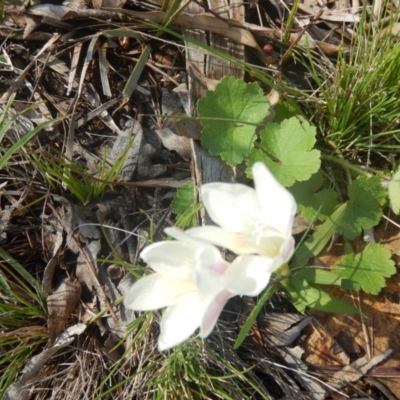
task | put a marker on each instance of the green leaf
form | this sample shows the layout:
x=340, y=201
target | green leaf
x=314, y=203
x=304, y=295
x=364, y=207
x=394, y=192
x=318, y=276
x=17, y=267
x=24, y=140
x=286, y=149
x=348, y=284
x=229, y=116
x=253, y=315
x=184, y=205
x=131, y=83
x=125, y=32
x=287, y=108
x=317, y=242
x=5, y=286
x=368, y=269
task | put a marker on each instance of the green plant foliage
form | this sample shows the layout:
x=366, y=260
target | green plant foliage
x=318, y=240
x=366, y=270
x=286, y=109
x=75, y=178
x=185, y=206
x=364, y=207
x=229, y=116
x=357, y=106
x=305, y=295
x=6, y=123
x=394, y=192
x=318, y=276
x=253, y=315
x=22, y=307
x=286, y=149
x=313, y=201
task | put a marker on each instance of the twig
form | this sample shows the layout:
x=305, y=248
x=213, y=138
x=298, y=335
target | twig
x=24, y=73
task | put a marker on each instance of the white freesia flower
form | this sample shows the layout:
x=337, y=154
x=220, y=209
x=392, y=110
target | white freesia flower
x=251, y=221
x=194, y=282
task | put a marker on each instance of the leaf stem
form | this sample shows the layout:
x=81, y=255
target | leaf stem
x=367, y=171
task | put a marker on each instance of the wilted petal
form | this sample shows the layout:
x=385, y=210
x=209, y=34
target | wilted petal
x=156, y=291
x=277, y=203
x=212, y=313
x=180, y=321
x=233, y=207
x=249, y=275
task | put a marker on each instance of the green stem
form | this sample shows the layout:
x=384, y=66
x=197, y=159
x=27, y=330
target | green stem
x=348, y=166
x=289, y=23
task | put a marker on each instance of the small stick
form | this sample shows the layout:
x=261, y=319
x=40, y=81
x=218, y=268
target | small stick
x=23, y=74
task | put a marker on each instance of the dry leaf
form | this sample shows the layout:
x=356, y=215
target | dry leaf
x=190, y=128
x=171, y=141
x=227, y=28
x=357, y=369
x=292, y=357
x=30, y=373
x=108, y=3
x=87, y=275
x=61, y=305
x=132, y=137
x=283, y=329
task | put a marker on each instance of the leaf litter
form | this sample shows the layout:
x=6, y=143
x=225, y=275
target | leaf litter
x=102, y=123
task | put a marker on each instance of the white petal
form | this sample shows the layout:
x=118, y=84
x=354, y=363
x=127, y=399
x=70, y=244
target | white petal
x=212, y=313
x=171, y=258
x=182, y=236
x=210, y=271
x=287, y=249
x=239, y=243
x=180, y=321
x=233, y=207
x=156, y=291
x=277, y=203
x=249, y=275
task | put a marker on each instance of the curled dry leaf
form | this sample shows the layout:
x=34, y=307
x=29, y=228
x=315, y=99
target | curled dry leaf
x=190, y=128
x=356, y=370
x=173, y=142
x=128, y=145
x=61, y=305
x=87, y=275
x=283, y=329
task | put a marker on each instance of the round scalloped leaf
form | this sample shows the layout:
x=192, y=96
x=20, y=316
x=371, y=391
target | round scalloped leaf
x=313, y=201
x=364, y=209
x=367, y=269
x=287, y=150
x=229, y=116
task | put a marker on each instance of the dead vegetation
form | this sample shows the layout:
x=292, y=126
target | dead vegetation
x=82, y=198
